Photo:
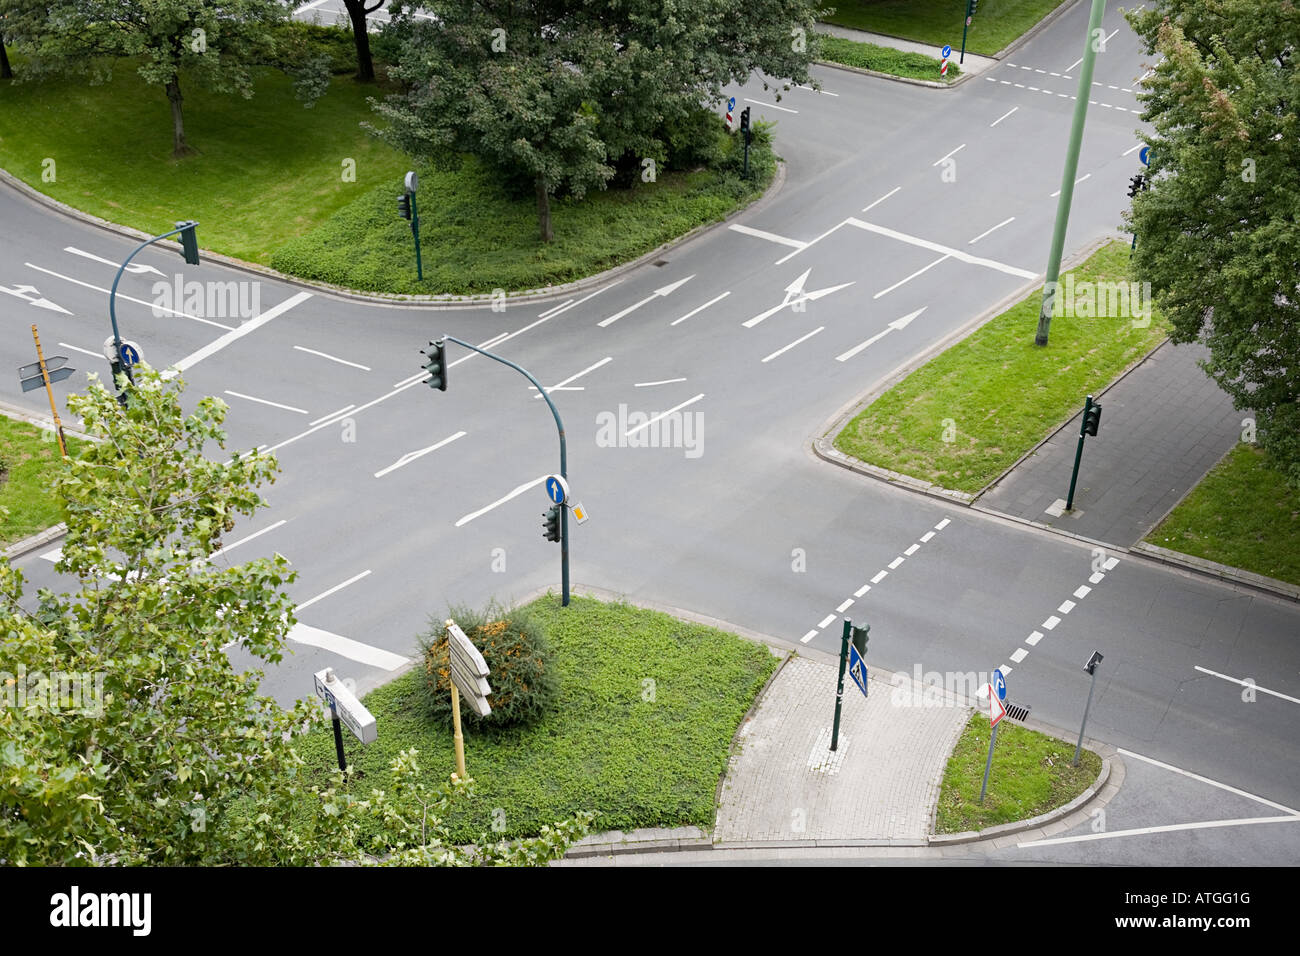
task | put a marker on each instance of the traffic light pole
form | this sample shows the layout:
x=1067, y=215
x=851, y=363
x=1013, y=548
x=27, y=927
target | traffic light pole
x=415, y=228
x=112, y=294
x=564, y=465
x=1078, y=452
x=1067, y=177
x=839, y=686
x=964, y=27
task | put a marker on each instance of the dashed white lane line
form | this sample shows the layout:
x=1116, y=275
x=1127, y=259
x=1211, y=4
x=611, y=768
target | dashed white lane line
x=345, y=408
x=1051, y=622
x=998, y=120
x=772, y=106
x=1110, y=564
x=880, y=576
x=338, y=587
x=411, y=456
x=1034, y=638
x=234, y=335
x=1096, y=578
x=123, y=295
x=994, y=229
x=700, y=309
x=942, y=524
x=500, y=501
x=826, y=620
x=1066, y=607
x=1082, y=591
x=802, y=338
x=808, y=637
x=881, y=199
x=1076, y=182
x=332, y=358
x=927, y=536
x=912, y=550
x=263, y=401
x=893, y=565
x=1246, y=683
x=845, y=606
x=862, y=590
x=1019, y=655
x=949, y=155
x=769, y=236
x=667, y=381
x=675, y=408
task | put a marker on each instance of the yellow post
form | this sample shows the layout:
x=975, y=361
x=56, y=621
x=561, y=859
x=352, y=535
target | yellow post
x=455, y=723
x=58, y=426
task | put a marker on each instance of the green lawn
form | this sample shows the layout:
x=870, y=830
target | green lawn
x=995, y=394
x=29, y=460
x=939, y=22
x=1242, y=514
x=267, y=169
x=640, y=734
x=1031, y=774
x=869, y=56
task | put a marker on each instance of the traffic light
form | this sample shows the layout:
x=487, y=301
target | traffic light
x=189, y=242
x=1135, y=183
x=970, y=11
x=552, y=526
x=860, y=639
x=744, y=122
x=404, y=206
x=1091, y=419
x=437, y=364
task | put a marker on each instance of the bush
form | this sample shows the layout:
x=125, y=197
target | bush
x=513, y=643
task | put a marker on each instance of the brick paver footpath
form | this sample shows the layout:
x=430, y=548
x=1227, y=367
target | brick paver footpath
x=882, y=783
x=1162, y=428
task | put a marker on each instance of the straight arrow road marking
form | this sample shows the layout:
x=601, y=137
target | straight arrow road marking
x=411, y=456
x=794, y=294
x=666, y=290
x=135, y=267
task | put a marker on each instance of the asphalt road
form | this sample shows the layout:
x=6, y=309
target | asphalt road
x=899, y=202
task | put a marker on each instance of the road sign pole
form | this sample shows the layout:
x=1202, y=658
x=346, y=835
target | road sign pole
x=338, y=740
x=1078, y=453
x=964, y=27
x=839, y=686
x=415, y=228
x=564, y=459
x=45, y=375
x=1087, y=707
x=988, y=764
x=1067, y=177
x=456, y=734
x=112, y=293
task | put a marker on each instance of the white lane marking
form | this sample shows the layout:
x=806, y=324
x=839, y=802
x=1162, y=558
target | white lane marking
x=900, y=323
x=494, y=340
x=657, y=293
x=263, y=401
x=942, y=524
x=939, y=247
x=911, y=277
x=1213, y=783
x=1111, y=37
x=252, y=325
x=346, y=647
x=769, y=236
x=808, y=637
x=1033, y=639
x=1066, y=607
x=54, y=555
x=338, y=587
x=826, y=620
x=700, y=308
x=1050, y=623
x=862, y=590
x=994, y=229
x=667, y=381
x=845, y=606
x=135, y=267
x=500, y=501
x=1096, y=578
x=1020, y=86
x=998, y=120
x=1167, y=828
x=332, y=358
x=1073, y=65
x=1132, y=149
x=927, y=536
x=589, y=368
x=953, y=153
x=770, y=105
x=1082, y=591
x=881, y=199
x=802, y=338
x=1246, y=683
x=1110, y=564
x=554, y=308
x=810, y=89
x=675, y=408
x=308, y=6
x=893, y=565
x=1033, y=89
x=332, y=414
x=1076, y=182
x=410, y=456
x=1019, y=655
x=128, y=298
x=225, y=549
x=78, y=348
x=912, y=550
x=880, y=576
x=562, y=309
x=791, y=255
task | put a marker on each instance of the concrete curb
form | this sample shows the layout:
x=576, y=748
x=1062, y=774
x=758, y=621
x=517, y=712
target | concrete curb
x=408, y=301
x=39, y=540
x=1036, y=29
x=1222, y=572
x=933, y=84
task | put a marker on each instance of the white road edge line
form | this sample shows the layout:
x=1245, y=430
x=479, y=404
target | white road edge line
x=263, y=401
x=332, y=358
x=1213, y=783
x=552, y=309
x=1167, y=828
x=411, y=456
x=958, y=254
x=332, y=414
x=252, y=325
x=802, y=338
x=675, y=408
x=1246, y=683
x=500, y=501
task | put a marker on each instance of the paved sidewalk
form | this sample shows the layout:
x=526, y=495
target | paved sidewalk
x=881, y=784
x=1162, y=428
x=972, y=64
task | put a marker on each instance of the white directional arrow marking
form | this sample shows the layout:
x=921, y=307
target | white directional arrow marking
x=794, y=294
x=410, y=456
x=666, y=290
x=896, y=324
x=135, y=268
x=32, y=295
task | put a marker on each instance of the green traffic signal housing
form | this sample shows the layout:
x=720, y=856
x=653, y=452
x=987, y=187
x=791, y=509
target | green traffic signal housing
x=860, y=639
x=404, y=206
x=551, y=525
x=437, y=364
x=189, y=242
x=1092, y=420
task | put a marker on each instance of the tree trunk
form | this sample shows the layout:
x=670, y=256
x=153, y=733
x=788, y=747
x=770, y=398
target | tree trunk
x=365, y=65
x=544, y=210
x=179, y=146
x=6, y=73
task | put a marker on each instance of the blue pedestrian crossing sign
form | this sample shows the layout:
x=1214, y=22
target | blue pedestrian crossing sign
x=858, y=669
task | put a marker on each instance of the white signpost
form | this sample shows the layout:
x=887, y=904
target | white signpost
x=469, y=673
x=344, y=707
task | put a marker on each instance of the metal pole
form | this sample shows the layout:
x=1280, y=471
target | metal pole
x=964, y=26
x=1067, y=177
x=456, y=734
x=988, y=763
x=564, y=458
x=338, y=740
x=112, y=294
x=1078, y=452
x=415, y=228
x=839, y=687
x=45, y=374
x=1088, y=706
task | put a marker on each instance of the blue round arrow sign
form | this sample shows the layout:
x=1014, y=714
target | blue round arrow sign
x=557, y=489
x=947, y=52
x=1000, y=684
x=129, y=355
x=1145, y=155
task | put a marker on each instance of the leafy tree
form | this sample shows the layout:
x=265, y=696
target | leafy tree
x=1218, y=233
x=559, y=91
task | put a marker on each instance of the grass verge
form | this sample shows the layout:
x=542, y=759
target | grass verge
x=996, y=23
x=1031, y=774
x=29, y=460
x=1242, y=514
x=884, y=59
x=640, y=733
x=969, y=413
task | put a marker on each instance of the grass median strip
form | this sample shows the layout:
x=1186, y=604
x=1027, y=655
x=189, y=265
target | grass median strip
x=967, y=415
x=883, y=59
x=29, y=461
x=995, y=25
x=1242, y=514
x=1031, y=774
